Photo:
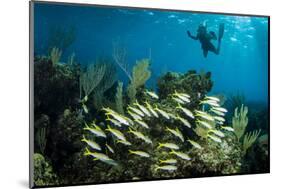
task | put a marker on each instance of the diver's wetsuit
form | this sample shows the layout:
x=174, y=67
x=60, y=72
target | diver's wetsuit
x=205, y=39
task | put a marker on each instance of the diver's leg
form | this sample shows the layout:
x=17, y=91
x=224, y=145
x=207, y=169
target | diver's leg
x=219, y=47
x=205, y=52
x=213, y=49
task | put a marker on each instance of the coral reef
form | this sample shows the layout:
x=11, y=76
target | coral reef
x=43, y=172
x=88, y=130
x=137, y=140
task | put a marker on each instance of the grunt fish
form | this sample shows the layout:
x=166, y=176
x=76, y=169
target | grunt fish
x=116, y=133
x=92, y=144
x=168, y=145
x=176, y=132
x=139, y=153
x=152, y=94
x=96, y=130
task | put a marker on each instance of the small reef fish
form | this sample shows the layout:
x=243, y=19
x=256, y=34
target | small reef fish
x=228, y=128
x=137, y=111
x=210, y=102
x=143, y=109
x=183, y=94
x=166, y=168
x=118, y=117
x=214, y=138
x=205, y=124
x=218, y=133
x=125, y=142
x=195, y=144
x=134, y=116
x=100, y=156
x=169, y=161
x=168, y=145
x=217, y=112
x=212, y=98
x=139, y=153
x=152, y=94
x=172, y=116
x=184, y=121
x=121, y=119
x=220, y=119
x=92, y=144
x=96, y=130
x=149, y=107
x=181, y=155
x=220, y=109
x=178, y=100
x=162, y=112
x=204, y=115
x=140, y=136
x=114, y=122
x=116, y=133
x=186, y=111
x=176, y=132
x=141, y=123
x=184, y=97
x=109, y=148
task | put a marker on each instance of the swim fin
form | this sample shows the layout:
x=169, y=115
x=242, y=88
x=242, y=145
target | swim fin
x=221, y=31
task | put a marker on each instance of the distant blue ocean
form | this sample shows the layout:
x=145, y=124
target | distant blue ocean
x=241, y=67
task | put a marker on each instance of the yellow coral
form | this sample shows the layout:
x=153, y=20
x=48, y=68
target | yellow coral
x=240, y=121
x=139, y=76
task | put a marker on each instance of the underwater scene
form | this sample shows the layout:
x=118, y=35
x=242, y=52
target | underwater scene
x=128, y=94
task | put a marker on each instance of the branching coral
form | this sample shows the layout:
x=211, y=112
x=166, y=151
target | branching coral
x=71, y=59
x=249, y=139
x=91, y=78
x=140, y=75
x=240, y=121
x=55, y=55
x=41, y=139
x=120, y=57
x=119, y=98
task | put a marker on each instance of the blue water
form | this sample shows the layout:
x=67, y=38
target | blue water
x=241, y=66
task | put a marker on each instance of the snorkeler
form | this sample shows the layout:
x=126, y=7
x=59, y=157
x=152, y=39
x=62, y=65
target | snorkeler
x=205, y=38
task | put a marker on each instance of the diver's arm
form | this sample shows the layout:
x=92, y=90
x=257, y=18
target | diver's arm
x=192, y=37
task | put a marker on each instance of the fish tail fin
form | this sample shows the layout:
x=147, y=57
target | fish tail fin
x=84, y=139
x=87, y=152
x=159, y=146
x=108, y=128
x=156, y=168
x=130, y=130
x=178, y=106
x=87, y=126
